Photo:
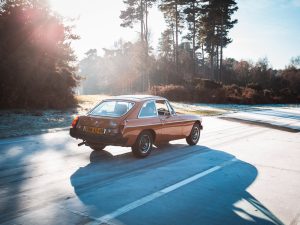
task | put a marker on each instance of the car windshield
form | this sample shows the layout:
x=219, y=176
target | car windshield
x=112, y=108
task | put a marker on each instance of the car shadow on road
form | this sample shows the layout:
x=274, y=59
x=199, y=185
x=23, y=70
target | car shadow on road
x=220, y=197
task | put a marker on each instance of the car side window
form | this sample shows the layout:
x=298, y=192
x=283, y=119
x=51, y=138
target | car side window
x=148, y=110
x=162, y=108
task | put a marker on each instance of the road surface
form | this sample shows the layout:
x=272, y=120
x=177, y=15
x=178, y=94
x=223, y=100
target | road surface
x=238, y=174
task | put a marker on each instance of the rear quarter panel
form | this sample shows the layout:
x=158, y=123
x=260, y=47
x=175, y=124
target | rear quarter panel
x=133, y=127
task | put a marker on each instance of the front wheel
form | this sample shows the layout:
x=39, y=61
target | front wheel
x=194, y=136
x=143, y=145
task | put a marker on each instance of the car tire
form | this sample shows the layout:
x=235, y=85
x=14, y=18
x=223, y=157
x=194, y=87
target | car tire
x=143, y=145
x=194, y=136
x=98, y=147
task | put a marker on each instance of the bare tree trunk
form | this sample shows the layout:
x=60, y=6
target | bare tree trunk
x=174, y=44
x=212, y=53
x=194, y=35
x=221, y=53
x=217, y=62
x=202, y=49
x=212, y=61
x=176, y=33
x=142, y=21
x=142, y=41
x=146, y=21
x=147, y=47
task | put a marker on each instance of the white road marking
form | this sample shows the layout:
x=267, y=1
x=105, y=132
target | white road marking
x=108, y=217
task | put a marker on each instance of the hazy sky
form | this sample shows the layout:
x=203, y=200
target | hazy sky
x=266, y=28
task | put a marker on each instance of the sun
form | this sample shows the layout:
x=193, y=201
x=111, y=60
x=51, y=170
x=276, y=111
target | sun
x=97, y=23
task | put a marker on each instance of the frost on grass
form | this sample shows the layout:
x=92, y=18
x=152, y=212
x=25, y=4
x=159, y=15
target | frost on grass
x=196, y=109
x=15, y=123
x=19, y=123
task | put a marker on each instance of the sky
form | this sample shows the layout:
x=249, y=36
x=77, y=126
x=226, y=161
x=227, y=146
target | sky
x=265, y=28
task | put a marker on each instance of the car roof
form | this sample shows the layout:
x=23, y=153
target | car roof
x=136, y=98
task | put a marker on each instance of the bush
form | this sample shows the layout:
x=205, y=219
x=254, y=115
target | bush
x=208, y=95
x=250, y=96
x=255, y=86
x=211, y=92
x=173, y=92
x=268, y=93
x=208, y=84
x=286, y=92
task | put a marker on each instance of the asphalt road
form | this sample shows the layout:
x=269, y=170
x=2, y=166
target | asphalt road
x=237, y=174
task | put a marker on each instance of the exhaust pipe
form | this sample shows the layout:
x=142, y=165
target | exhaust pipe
x=82, y=143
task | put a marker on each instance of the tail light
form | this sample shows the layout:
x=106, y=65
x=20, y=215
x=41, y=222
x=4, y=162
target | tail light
x=75, y=121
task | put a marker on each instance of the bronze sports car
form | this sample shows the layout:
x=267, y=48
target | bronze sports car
x=136, y=121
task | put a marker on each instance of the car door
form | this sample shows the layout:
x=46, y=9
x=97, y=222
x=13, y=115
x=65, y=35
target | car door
x=171, y=123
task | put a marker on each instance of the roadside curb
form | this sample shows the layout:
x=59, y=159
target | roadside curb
x=262, y=123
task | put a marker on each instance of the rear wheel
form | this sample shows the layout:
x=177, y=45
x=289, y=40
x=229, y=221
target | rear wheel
x=194, y=136
x=143, y=145
x=97, y=147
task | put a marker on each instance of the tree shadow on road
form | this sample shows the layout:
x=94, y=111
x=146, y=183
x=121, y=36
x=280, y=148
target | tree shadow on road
x=218, y=198
x=24, y=164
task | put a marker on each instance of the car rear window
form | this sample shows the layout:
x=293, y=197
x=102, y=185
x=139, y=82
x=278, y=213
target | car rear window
x=112, y=108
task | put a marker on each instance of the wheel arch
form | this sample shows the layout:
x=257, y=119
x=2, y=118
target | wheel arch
x=188, y=131
x=200, y=124
x=133, y=140
x=137, y=151
x=151, y=131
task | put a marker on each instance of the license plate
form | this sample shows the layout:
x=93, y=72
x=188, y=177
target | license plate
x=94, y=130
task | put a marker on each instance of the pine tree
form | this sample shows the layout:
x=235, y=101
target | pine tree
x=215, y=25
x=207, y=29
x=192, y=10
x=36, y=60
x=226, y=9
x=172, y=11
x=137, y=11
x=166, y=53
x=166, y=45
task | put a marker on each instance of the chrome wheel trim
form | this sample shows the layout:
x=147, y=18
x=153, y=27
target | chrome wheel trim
x=195, y=134
x=145, y=143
